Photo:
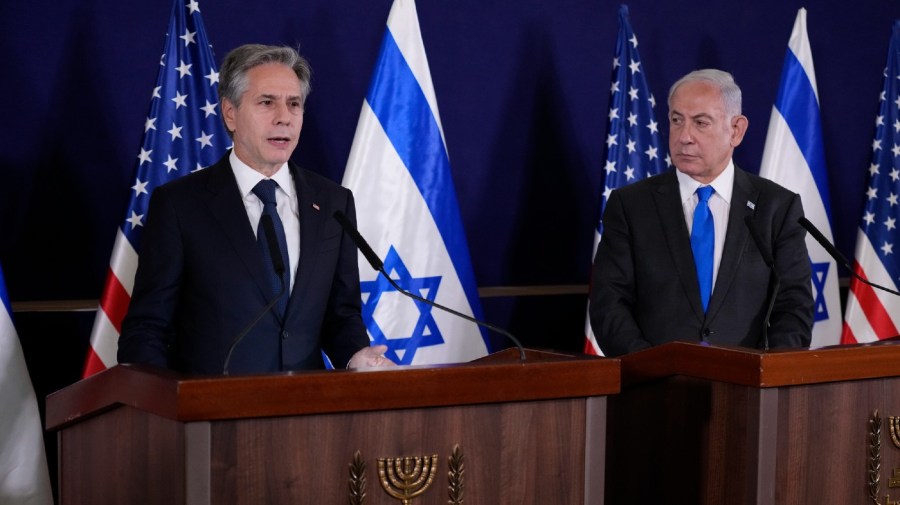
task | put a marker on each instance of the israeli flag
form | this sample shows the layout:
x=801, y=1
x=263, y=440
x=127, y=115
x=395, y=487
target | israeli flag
x=399, y=172
x=794, y=156
x=24, y=479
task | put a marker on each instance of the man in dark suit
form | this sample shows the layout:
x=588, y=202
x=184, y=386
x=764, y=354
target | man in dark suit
x=205, y=275
x=676, y=260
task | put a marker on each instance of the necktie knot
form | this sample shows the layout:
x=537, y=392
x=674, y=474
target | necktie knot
x=704, y=193
x=265, y=191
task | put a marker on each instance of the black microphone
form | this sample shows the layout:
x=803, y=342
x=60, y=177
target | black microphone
x=770, y=262
x=378, y=265
x=840, y=258
x=360, y=242
x=278, y=263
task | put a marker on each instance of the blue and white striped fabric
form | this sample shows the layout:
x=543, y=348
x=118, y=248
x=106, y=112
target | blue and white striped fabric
x=399, y=172
x=794, y=156
x=23, y=466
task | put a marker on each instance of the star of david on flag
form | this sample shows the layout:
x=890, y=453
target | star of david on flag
x=424, y=330
x=632, y=149
x=873, y=314
x=794, y=157
x=399, y=172
x=182, y=133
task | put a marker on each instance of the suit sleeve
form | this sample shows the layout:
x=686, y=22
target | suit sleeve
x=613, y=285
x=343, y=330
x=792, y=314
x=147, y=329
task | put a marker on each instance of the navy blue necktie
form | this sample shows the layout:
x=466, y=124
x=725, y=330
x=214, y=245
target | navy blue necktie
x=265, y=191
x=703, y=243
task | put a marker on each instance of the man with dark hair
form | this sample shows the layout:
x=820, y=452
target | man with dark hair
x=677, y=262
x=208, y=267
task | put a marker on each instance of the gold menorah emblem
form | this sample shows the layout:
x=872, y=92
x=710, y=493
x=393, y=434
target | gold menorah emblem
x=894, y=424
x=406, y=478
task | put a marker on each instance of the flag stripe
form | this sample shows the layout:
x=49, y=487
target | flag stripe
x=799, y=106
x=877, y=315
x=4, y=296
x=873, y=314
x=633, y=150
x=794, y=158
x=124, y=262
x=183, y=133
x=416, y=136
x=412, y=130
x=868, y=315
x=24, y=479
x=399, y=172
x=93, y=364
x=114, y=302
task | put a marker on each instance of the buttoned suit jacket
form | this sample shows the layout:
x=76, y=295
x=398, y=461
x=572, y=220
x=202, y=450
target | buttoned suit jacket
x=201, y=280
x=644, y=286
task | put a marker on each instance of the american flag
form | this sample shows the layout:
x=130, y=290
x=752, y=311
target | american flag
x=183, y=133
x=873, y=314
x=632, y=149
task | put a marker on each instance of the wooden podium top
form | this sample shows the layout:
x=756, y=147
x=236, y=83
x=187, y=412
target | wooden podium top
x=773, y=368
x=500, y=377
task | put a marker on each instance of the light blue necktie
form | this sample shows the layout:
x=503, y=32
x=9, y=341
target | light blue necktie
x=703, y=243
x=265, y=191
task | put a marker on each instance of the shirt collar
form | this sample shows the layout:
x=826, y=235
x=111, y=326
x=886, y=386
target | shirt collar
x=248, y=178
x=723, y=184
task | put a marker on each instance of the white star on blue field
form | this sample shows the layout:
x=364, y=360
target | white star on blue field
x=402, y=348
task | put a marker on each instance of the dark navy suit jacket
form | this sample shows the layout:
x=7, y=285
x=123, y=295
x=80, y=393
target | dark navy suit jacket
x=201, y=280
x=645, y=290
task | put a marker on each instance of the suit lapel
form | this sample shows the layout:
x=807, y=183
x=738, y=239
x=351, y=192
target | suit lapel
x=743, y=201
x=671, y=214
x=311, y=220
x=227, y=206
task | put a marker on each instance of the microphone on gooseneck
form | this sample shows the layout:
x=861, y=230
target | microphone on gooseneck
x=278, y=263
x=770, y=262
x=840, y=258
x=378, y=266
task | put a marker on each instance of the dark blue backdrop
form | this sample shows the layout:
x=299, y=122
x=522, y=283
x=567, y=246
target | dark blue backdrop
x=522, y=87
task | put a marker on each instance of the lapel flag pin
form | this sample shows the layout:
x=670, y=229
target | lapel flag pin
x=315, y=206
x=751, y=205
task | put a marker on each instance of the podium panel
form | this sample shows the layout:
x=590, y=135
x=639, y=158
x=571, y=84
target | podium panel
x=492, y=431
x=710, y=425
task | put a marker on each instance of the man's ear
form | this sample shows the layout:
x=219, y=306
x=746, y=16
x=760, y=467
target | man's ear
x=228, y=113
x=738, y=129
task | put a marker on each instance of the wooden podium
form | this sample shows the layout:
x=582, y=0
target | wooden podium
x=493, y=431
x=711, y=425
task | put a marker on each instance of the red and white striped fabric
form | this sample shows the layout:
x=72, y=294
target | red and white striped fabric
x=113, y=306
x=633, y=149
x=873, y=314
x=183, y=133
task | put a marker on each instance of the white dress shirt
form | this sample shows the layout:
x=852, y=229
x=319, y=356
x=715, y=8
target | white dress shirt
x=719, y=205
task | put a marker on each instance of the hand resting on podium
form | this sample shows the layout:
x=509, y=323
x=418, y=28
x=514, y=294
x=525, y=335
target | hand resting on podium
x=370, y=358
